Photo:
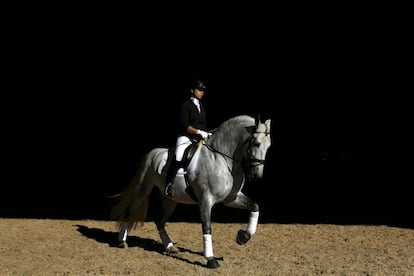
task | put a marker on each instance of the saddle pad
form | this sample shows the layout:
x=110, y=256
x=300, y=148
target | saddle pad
x=162, y=163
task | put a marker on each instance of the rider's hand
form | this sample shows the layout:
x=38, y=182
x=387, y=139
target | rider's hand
x=203, y=134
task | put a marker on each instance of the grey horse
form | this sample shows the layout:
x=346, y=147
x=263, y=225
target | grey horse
x=216, y=173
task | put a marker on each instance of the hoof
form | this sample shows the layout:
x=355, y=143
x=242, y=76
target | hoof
x=242, y=237
x=212, y=263
x=172, y=250
x=123, y=244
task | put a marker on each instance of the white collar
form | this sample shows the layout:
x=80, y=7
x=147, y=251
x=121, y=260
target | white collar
x=195, y=101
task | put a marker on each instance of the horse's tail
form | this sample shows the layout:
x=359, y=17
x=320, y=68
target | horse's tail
x=132, y=203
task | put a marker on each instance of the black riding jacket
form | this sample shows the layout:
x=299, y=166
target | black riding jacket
x=190, y=116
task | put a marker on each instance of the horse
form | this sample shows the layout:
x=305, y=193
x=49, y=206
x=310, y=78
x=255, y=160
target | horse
x=216, y=173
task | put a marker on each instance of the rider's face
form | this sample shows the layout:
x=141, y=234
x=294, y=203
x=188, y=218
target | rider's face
x=198, y=93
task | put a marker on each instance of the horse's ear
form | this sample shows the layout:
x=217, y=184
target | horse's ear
x=267, y=123
x=257, y=119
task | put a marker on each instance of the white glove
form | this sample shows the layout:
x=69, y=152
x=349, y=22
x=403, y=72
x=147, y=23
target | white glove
x=202, y=133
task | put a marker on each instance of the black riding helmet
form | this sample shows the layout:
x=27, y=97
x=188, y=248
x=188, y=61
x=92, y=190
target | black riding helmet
x=199, y=85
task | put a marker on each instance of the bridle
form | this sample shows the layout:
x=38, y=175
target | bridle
x=249, y=143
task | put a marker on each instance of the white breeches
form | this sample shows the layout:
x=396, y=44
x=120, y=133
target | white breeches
x=182, y=143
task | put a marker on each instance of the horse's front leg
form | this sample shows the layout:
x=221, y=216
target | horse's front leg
x=206, y=205
x=243, y=202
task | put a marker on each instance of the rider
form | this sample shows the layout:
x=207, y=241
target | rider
x=194, y=125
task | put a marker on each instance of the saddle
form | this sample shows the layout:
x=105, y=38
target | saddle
x=181, y=166
x=185, y=161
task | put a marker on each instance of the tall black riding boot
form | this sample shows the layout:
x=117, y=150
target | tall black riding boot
x=171, y=173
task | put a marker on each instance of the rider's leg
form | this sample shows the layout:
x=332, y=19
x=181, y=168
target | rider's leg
x=182, y=143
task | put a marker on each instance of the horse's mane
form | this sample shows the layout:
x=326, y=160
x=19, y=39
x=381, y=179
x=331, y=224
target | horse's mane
x=232, y=130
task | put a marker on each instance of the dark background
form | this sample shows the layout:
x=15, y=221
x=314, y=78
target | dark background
x=90, y=96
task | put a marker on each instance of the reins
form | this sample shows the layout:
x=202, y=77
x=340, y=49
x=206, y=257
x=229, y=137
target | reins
x=219, y=152
x=251, y=160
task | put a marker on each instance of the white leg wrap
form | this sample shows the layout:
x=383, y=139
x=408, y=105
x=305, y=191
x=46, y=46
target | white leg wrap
x=251, y=227
x=122, y=236
x=208, y=246
x=166, y=241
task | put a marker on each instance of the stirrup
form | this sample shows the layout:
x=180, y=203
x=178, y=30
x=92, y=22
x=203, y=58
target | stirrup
x=169, y=190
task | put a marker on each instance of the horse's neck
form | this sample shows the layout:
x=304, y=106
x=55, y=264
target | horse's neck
x=227, y=145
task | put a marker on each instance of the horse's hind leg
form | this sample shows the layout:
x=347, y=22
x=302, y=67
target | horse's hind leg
x=243, y=202
x=167, y=208
x=123, y=234
x=131, y=210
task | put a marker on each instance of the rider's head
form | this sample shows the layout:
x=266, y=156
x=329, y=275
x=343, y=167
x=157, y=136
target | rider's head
x=198, y=84
x=198, y=88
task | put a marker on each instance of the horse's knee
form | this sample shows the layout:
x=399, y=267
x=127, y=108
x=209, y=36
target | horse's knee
x=254, y=207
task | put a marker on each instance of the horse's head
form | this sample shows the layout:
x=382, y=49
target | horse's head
x=257, y=144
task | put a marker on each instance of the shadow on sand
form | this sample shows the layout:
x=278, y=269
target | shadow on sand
x=111, y=238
